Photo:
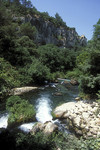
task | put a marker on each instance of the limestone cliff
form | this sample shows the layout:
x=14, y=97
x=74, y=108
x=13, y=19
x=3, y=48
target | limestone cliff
x=48, y=33
x=60, y=36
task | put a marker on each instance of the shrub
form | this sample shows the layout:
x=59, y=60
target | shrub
x=75, y=74
x=20, y=111
x=38, y=72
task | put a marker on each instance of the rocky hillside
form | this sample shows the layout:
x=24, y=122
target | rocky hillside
x=49, y=33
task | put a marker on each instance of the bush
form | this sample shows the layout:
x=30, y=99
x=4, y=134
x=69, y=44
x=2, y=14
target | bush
x=90, y=84
x=20, y=111
x=38, y=72
x=75, y=74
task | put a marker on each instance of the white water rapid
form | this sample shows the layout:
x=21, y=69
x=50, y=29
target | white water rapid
x=43, y=113
x=26, y=127
x=4, y=120
x=43, y=109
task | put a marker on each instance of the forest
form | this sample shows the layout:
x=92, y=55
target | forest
x=24, y=62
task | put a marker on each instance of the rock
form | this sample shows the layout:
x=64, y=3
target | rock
x=47, y=128
x=19, y=91
x=85, y=115
x=50, y=128
x=77, y=99
x=49, y=33
x=61, y=110
x=76, y=121
x=37, y=127
x=74, y=82
x=80, y=117
x=58, y=94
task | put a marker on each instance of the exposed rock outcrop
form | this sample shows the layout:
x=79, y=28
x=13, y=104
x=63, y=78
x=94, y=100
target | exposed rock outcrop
x=80, y=117
x=48, y=33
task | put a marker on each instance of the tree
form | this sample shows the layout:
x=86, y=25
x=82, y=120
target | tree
x=9, y=77
x=26, y=3
x=96, y=35
x=28, y=30
x=59, y=20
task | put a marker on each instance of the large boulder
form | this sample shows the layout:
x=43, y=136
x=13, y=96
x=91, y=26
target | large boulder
x=47, y=128
x=81, y=117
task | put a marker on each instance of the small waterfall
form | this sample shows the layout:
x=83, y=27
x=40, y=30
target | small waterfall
x=43, y=109
x=4, y=120
x=26, y=127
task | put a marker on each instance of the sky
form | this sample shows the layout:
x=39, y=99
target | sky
x=81, y=14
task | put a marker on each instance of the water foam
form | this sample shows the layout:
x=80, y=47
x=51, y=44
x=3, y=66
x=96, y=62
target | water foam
x=4, y=120
x=43, y=108
x=26, y=127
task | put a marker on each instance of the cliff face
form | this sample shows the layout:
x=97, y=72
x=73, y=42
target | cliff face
x=48, y=33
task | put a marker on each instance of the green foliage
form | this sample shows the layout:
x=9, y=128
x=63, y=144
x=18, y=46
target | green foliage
x=40, y=141
x=20, y=110
x=90, y=84
x=5, y=17
x=74, y=74
x=27, y=29
x=59, y=20
x=9, y=77
x=45, y=16
x=55, y=58
x=38, y=72
x=90, y=79
x=82, y=59
x=96, y=35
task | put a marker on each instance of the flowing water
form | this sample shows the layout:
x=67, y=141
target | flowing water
x=45, y=99
x=3, y=120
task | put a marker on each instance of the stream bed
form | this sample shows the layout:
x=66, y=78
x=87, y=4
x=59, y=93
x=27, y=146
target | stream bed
x=45, y=99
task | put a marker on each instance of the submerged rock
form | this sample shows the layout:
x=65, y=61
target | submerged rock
x=80, y=117
x=58, y=94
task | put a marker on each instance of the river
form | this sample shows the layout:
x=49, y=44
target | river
x=45, y=99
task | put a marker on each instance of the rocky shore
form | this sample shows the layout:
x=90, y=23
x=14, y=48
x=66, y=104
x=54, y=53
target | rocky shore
x=80, y=117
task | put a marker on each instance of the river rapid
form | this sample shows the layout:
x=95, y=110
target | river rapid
x=45, y=99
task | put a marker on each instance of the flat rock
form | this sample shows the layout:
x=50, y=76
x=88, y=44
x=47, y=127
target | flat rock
x=21, y=90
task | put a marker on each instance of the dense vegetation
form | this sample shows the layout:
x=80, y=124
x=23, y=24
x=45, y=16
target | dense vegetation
x=19, y=141
x=20, y=111
x=87, y=69
x=24, y=62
